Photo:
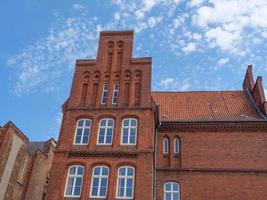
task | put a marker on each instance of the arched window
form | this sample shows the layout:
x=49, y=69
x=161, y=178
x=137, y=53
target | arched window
x=125, y=183
x=171, y=191
x=165, y=145
x=99, y=185
x=129, y=131
x=176, y=145
x=74, y=181
x=105, y=132
x=83, y=130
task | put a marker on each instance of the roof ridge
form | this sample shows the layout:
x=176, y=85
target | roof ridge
x=208, y=91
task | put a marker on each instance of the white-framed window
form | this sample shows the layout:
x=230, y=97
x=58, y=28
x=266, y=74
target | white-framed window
x=171, y=191
x=105, y=131
x=104, y=94
x=176, y=145
x=165, y=145
x=115, y=95
x=125, y=183
x=129, y=131
x=83, y=130
x=99, y=184
x=74, y=181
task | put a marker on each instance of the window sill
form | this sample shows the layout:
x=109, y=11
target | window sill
x=176, y=155
x=165, y=155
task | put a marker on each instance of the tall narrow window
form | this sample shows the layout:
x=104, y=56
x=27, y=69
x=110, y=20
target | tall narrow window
x=115, y=95
x=84, y=93
x=105, y=132
x=99, y=183
x=83, y=130
x=74, y=181
x=176, y=145
x=125, y=183
x=171, y=191
x=104, y=94
x=165, y=145
x=129, y=131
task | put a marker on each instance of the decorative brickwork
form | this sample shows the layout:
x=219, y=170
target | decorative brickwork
x=215, y=143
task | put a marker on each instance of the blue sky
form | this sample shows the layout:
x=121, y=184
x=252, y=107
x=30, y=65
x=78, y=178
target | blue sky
x=195, y=45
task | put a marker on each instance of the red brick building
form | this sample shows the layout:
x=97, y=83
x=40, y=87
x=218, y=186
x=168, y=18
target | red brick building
x=24, y=165
x=119, y=140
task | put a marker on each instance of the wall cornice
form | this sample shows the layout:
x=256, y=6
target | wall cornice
x=214, y=126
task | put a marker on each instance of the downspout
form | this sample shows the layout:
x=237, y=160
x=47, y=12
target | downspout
x=155, y=156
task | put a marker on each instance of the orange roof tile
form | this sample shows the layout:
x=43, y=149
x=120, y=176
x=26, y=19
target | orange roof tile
x=205, y=106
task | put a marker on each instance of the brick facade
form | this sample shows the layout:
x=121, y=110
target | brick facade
x=24, y=165
x=221, y=149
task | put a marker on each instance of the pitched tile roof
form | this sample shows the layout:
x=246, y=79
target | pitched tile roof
x=205, y=106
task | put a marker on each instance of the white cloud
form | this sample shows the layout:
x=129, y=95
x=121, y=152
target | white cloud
x=166, y=82
x=223, y=61
x=197, y=36
x=221, y=38
x=189, y=48
x=41, y=66
x=193, y=3
x=78, y=7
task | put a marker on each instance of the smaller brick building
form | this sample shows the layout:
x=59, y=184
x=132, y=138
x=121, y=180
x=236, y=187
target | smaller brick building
x=24, y=165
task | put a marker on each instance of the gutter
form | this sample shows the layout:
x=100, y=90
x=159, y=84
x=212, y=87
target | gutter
x=155, y=156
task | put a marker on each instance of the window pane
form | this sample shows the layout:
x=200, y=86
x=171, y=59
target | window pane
x=105, y=171
x=103, y=123
x=101, y=136
x=168, y=196
x=133, y=122
x=126, y=122
x=125, y=139
x=97, y=171
x=79, y=132
x=129, y=183
x=103, y=191
x=72, y=170
x=70, y=186
x=121, y=188
x=87, y=123
x=80, y=171
x=128, y=192
x=132, y=135
x=95, y=182
x=104, y=182
x=175, y=187
x=94, y=191
x=80, y=122
x=110, y=122
x=168, y=187
x=130, y=172
x=85, y=139
x=175, y=196
x=77, y=188
x=122, y=171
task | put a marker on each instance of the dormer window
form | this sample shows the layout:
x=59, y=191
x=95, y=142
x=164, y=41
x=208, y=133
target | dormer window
x=104, y=94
